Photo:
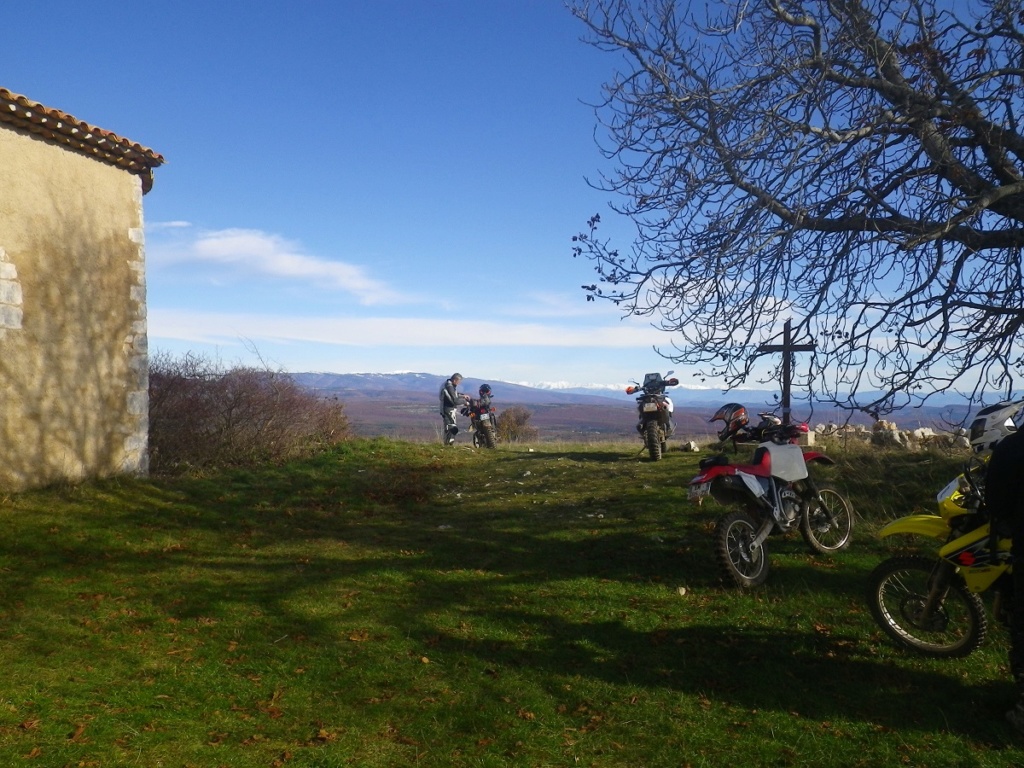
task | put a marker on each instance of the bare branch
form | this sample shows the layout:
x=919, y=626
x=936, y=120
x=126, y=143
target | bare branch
x=854, y=165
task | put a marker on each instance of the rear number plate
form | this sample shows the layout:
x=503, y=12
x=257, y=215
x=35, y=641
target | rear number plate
x=699, y=491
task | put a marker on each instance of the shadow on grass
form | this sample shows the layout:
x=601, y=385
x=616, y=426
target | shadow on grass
x=583, y=457
x=560, y=577
x=800, y=674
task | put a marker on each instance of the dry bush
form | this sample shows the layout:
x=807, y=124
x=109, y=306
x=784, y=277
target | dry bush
x=513, y=427
x=202, y=414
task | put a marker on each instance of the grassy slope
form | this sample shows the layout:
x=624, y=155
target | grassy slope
x=392, y=603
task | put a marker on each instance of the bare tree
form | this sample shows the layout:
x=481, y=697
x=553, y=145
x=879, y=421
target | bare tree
x=854, y=165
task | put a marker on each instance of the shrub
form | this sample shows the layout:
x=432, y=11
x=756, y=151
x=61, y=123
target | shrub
x=512, y=425
x=202, y=415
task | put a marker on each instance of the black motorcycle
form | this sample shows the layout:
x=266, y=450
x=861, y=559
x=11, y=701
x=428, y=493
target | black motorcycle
x=482, y=419
x=655, y=411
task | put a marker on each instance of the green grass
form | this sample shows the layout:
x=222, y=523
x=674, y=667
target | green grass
x=395, y=604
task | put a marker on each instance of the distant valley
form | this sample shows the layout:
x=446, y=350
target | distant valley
x=405, y=406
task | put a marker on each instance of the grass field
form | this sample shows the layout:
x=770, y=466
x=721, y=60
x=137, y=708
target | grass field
x=397, y=604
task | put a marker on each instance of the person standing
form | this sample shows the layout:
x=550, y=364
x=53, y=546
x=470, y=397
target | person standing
x=995, y=435
x=1004, y=497
x=450, y=400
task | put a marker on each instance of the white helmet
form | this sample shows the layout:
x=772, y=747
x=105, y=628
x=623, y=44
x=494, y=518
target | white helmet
x=992, y=424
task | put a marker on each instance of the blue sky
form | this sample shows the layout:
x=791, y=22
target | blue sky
x=372, y=186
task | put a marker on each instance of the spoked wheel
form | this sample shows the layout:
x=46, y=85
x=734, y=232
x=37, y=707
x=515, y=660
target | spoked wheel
x=487, y=439
x=745, y=564
x=898, y=595
x=827, y=522
x=653, y=440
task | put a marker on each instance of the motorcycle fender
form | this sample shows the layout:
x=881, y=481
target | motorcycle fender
x=714, y=472
x=932, y=526
x=814, y=456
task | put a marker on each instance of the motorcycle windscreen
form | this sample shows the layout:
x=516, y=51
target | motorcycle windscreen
x=787, y=461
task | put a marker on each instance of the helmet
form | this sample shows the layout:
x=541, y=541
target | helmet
x=735, y=417
x=991, y=425
x=485, y=389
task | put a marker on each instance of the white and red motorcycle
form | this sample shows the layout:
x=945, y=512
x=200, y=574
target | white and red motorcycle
x=776, y=494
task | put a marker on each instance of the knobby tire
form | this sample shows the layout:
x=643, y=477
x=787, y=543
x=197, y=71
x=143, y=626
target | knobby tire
x=826, y=522
x=897, y=590
x=653, y=440
x=744, y=567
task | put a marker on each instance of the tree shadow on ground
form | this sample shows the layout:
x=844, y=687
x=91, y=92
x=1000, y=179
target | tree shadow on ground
x=523, y=570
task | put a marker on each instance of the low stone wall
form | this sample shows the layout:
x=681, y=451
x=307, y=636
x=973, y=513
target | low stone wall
x=887, y=434
x=884, y=434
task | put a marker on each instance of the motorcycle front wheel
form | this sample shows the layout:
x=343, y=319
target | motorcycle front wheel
x=827, y=522
x=898, y=592
x=653, y=440
x=744, y=564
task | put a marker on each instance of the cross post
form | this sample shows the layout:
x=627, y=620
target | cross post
x=787, y=348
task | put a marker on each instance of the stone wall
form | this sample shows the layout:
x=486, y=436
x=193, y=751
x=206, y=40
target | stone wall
x=73, y=343
x=887, y=434
x=881, y=433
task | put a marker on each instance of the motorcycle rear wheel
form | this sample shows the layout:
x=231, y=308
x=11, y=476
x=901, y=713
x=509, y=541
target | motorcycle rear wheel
x=488, y=439
x=826, y=523
x=897, y=591
x=744, y=566
x=652, y=437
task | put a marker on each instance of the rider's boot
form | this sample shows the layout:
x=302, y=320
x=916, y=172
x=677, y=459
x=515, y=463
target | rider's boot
x=1015, y=716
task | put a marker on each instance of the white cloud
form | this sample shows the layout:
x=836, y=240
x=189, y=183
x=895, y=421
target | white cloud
x=258, y=253
x=214, y=327
x=540, y=304
x=158, y=226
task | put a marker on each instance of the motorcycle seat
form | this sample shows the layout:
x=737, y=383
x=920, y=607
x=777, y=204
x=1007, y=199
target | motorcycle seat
x=720, y=460
x=783, y=461
x=761, y=463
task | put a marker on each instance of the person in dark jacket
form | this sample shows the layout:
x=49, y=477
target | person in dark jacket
x=1004, y=497
x=451, y=399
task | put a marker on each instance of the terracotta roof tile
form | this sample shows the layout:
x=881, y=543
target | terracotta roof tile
x=79, y=136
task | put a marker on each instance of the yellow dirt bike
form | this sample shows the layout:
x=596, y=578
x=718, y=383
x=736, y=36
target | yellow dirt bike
x=933, y=604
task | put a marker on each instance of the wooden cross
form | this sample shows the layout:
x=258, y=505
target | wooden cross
x=787, y=348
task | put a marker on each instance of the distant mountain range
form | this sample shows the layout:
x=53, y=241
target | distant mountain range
x=376, y=385
x=405, y=406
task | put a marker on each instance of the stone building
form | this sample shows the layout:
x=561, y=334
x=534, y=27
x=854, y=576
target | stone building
x=73, y=344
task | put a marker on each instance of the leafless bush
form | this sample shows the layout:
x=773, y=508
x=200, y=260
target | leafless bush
x=202, y=414
x=512, y=425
